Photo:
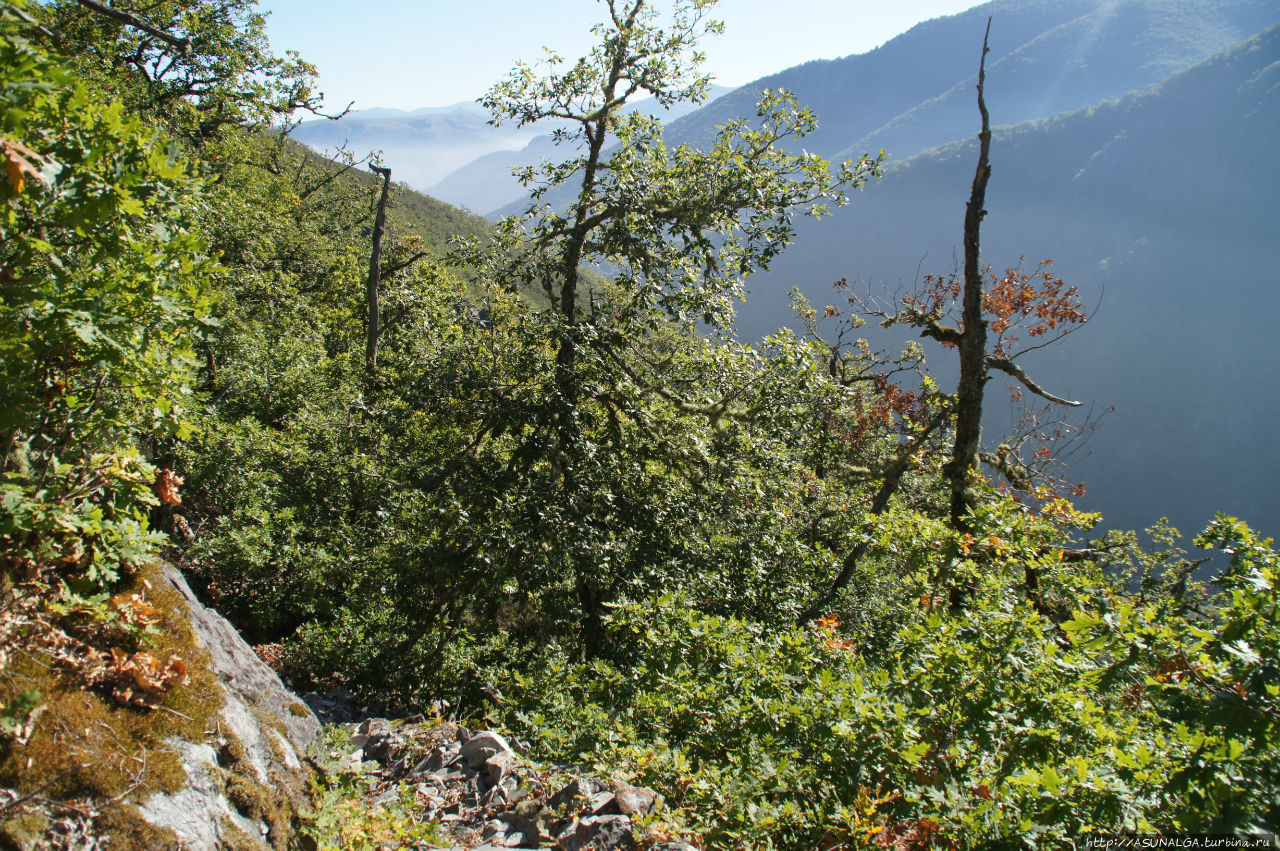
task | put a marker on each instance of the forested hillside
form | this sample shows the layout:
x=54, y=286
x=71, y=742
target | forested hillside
x=791, y=585
x=1048, y=56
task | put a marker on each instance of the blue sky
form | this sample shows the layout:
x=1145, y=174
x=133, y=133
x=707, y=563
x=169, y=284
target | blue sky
x=414, y=53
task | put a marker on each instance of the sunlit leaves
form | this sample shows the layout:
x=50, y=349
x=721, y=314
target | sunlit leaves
x=103, y=299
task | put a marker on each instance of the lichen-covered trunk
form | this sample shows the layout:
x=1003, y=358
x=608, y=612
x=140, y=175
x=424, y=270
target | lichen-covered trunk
x=973, y=337
x=375, y=275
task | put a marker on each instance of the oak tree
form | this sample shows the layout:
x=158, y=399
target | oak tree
x=676, y=228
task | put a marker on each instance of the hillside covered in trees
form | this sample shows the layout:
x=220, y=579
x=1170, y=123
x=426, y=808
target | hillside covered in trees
x=526, y=475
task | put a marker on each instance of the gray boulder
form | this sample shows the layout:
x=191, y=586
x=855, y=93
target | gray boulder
x=233, y=660
x=484, y=746
x=635, y=800
x=247, y=782
x=598, y=833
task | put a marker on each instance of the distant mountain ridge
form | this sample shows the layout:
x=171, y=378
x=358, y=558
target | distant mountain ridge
x=487, y=183
x=914, y=92
x=389, y=112
x=425, y=145
x=1047, y=56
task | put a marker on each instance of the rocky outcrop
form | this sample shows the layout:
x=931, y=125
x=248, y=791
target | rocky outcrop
x=246, y=783
x=484, y=794
x=214, y=758
x=246, y=676
x=176, y=736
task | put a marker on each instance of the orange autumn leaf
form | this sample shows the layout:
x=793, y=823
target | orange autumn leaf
x=18, y=163
x=135, y=610
x=167, y=483
x=140, y=679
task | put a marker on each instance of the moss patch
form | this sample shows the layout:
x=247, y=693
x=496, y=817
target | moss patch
x=277, y=803
x=232, y=838
x=85, y=744
x=23, y=831
x=128, y=829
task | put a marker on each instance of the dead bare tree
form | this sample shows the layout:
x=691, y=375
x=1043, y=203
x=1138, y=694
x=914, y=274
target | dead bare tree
x=375, y=273
x=971, y=340
x=993, y=311
x=983, y=344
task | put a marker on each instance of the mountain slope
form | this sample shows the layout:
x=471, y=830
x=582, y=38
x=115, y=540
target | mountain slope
x=1047, y=56
x=411, y=212
x=1161, y=204
x=487, y=182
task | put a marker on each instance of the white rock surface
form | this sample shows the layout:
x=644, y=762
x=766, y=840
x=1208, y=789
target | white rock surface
x=255, y=710
x=197, y=811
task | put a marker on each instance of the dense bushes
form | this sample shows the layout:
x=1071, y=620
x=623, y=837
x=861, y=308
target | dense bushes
x=105, y=292
x=994, y=727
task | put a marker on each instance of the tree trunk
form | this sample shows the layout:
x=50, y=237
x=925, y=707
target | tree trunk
x=375, y=273
x=567, y=435
x=591, y=596
x=973, y=337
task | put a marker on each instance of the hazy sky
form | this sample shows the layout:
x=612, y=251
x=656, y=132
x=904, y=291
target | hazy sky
x=413, y=53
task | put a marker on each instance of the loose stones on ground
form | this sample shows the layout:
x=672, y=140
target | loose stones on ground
x=485, y=796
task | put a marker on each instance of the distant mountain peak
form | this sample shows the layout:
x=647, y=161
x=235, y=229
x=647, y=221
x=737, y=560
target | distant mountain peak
x=466, y=106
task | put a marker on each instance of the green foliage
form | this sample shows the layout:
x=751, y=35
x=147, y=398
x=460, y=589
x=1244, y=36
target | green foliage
x=636, y=412
x=372, y=523
x=304, y=480
x=18, y=715
x=215, y=74
x=600, y=503
x=104, y=297
x=1209, y=670
x=343, y=818
x=993, y=726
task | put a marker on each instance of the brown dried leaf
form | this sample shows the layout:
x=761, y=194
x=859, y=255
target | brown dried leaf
x=18, y=163
x=167, y=483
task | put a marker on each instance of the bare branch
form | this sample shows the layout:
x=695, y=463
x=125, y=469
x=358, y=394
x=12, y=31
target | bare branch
x=375, y=272
x=396, y=267
x=1010, y=368
x=892, y=480
x=182, y=44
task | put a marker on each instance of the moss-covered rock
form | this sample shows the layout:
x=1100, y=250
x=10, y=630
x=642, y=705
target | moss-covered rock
x=215, y=763
x=23, y=831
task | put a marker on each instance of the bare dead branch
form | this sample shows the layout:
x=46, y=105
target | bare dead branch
x=892, y=480
x=1010, y=368
x=181, y=43
x=375, y=272
x=973, y=340
x=392, y=268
